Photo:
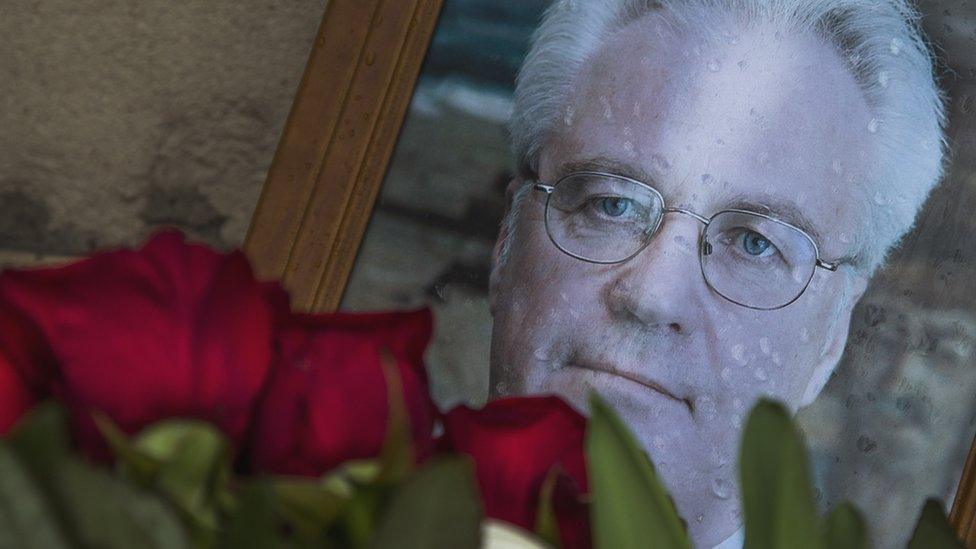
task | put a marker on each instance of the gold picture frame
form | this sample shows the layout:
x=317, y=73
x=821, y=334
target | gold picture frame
x=336, y=145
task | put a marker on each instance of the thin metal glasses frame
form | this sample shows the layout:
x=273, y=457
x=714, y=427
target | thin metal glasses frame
x=705, y=221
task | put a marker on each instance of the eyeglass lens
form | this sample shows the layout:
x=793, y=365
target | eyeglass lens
x=749, y=259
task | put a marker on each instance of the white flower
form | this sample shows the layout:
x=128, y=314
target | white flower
x=501, y=535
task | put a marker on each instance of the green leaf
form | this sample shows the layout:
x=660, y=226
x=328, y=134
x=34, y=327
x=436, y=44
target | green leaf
x=310, y=506
x=42, y=434
x=845, y=528
x=933, y=530
x=361, y=514
x=27, y=520
x=436, y=508
x=777, y=497
x=253, y=524
x=357, y=471
x=133, y=464
x=629, y=508
x=396, y=456
x=104, y=512
x=95, y=509
x=193, y=460
x=546, y=526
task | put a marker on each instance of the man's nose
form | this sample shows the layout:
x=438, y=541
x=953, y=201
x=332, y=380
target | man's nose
x=662, y=287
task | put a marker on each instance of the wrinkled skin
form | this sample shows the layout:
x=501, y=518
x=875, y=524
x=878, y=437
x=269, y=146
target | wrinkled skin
x=773, y=117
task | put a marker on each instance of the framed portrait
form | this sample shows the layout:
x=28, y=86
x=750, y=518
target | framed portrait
x=682, y=205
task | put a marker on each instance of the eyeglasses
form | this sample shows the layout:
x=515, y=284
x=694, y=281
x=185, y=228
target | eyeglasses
x=748, y=258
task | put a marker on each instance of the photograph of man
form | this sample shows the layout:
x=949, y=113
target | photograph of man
x=705, y=189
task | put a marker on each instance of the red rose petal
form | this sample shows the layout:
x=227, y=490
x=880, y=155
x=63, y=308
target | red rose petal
x=327, y=400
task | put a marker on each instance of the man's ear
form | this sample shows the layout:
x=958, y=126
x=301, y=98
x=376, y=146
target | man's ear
x=836, y=342
x=496, y=252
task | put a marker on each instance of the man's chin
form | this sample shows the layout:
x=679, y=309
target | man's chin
x=664, y=426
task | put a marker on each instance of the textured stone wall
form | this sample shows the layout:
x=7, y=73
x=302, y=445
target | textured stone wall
x=119, y=116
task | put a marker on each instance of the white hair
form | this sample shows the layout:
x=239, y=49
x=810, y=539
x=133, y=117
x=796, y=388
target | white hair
x=879, y=40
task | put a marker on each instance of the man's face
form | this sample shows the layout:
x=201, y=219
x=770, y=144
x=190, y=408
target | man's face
x=761, y=118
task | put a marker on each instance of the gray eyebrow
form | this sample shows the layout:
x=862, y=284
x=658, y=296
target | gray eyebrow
x=604, y=164
x=784, y=210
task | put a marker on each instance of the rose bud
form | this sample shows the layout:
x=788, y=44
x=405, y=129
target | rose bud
x=515, y=443
x=327, y=401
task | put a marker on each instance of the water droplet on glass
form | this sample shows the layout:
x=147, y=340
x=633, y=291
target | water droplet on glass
x=776, y=358
x=607, y=108
x=873, y=125
x=737, y=421
x=629, y=147
x=726, y=374
x=569, y=116
x=764, y=345
x=763, y=158
x=883, y=79
x=719, y=141
x=836, y=166
x=761, y=374
x=700, y=517
x=743, y=64
x=881, y=198
x=737, y=404
x=706, y=407
x=707, y=179
x=804, y=335
x=658, y=444
x=684, y=243
x=739, y=353
x=501, y=388
x=660, y=162
x=541, y=354
x=895, y=46
x=903, y=403
x=720, y=487
x=714, y=65
x=717, y=458
x=866, y=444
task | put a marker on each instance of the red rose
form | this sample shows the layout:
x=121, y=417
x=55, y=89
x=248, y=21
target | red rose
x=515, y=442
x=327, y=400
x=170, y=330
x=25, y=365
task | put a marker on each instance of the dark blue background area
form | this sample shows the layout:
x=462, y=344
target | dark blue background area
x=483, y=41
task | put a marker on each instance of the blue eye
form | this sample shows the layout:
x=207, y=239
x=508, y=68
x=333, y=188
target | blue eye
x=754, y=243
x=614, y=206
